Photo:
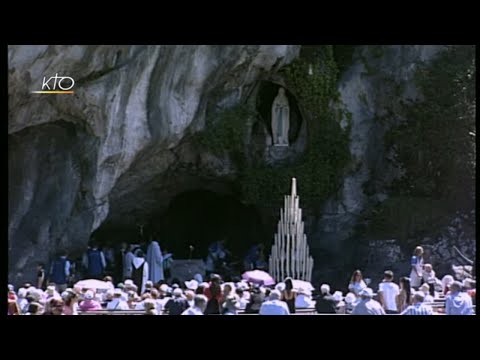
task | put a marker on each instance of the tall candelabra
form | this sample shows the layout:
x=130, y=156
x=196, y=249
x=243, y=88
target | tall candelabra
x=290, y=252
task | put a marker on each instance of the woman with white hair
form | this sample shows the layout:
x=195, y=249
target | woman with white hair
x=325, y=303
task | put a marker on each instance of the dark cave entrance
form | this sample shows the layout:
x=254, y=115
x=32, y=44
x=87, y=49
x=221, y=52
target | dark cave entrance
x=197, y=218
x=201, y=217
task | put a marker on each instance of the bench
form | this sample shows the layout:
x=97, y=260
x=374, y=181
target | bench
x=112, y=312
x=302, y=311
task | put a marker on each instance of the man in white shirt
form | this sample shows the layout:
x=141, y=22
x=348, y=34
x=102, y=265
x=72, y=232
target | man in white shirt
x=199, y=306
x=274, y=306
x=388, y=291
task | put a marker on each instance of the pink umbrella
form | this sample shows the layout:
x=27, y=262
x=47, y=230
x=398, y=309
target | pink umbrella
x=258, y=277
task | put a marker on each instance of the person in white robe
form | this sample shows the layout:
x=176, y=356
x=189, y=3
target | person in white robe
x=155, y=262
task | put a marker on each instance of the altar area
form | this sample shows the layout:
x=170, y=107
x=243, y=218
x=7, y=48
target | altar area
x=185, y=270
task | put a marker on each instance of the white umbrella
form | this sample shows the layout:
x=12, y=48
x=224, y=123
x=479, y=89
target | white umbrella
x=301, y=284
x=95, y=284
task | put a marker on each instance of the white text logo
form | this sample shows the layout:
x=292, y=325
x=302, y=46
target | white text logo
x=56, y=85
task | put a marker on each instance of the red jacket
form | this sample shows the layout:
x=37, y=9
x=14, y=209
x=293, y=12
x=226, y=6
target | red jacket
x=208, y=294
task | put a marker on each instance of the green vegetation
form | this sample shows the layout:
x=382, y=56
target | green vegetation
x=319, y=170
x=436, y=148
x=406, y=217
x=343, y=55
x=436, y=145
x=225, y=132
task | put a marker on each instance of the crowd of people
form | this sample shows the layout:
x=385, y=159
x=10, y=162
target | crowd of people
x=145, y=288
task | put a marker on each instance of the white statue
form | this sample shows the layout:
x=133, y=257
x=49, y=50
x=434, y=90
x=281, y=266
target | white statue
x=280, y=119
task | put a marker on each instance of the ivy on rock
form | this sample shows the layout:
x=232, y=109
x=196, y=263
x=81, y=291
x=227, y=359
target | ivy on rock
x=313, y=81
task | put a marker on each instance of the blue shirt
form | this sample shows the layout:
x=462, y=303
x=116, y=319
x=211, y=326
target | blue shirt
x=274, y=307
x=458, y=303
x=418, y=309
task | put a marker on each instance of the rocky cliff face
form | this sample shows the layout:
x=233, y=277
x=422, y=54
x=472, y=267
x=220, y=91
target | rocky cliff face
x=373, y=88
x=121, y=146
x=75, y=158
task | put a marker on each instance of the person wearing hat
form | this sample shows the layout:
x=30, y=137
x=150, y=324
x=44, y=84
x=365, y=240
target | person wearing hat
x=141, y=304
x=368, y=306
x=70, y=299
x=458, y=302
x=350, y=302
x=191, y=285
x=304, y=299
x=89, y=303
x=176, y=305
x=418, y=307
x=52, y=292
x=339, y=303
x=230, y=305
x=199, y=306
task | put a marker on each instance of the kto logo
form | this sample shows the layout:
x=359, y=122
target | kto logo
x=56, y=85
